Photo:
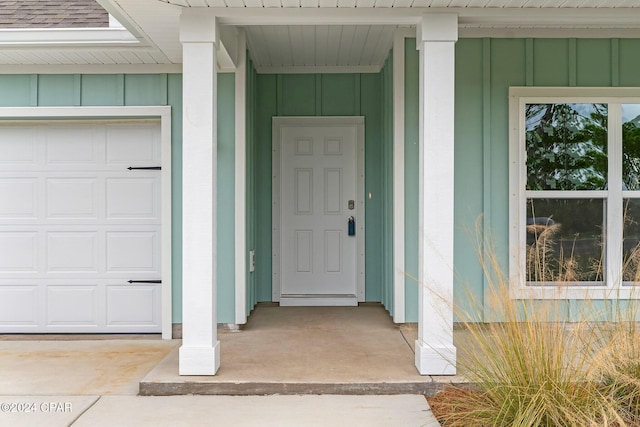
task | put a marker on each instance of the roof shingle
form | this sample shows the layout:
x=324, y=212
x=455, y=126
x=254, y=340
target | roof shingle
x=52, y=14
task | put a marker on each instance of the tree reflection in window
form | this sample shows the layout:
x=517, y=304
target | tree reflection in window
x=631, y=182
x=566, y=146
x=631, y=146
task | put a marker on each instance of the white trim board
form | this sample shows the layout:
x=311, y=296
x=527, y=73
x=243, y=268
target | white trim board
x=10, y=114
x=360, y=197
x=477, y=17
x=547, y=32
x=356, y=69
x=399, y=267
x=58, y=37
x=91, y=69
x=240, y=192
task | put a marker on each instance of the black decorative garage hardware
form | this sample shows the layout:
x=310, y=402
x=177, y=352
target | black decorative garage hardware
x=148, y=168
x=144, y=281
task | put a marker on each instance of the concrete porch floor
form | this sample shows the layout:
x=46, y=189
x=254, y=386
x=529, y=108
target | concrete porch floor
x=307, y=350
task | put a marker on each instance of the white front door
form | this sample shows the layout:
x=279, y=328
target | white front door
x=76, y=226
x=320, y=216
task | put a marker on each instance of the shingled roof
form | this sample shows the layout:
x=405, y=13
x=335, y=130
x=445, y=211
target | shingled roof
x=52, y=14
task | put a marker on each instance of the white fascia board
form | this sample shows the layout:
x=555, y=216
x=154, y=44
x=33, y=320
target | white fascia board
x=478, y=17
x=527, y=17
x=38, y=37
x=541, y=33
x=315, y=16
x=91, y=69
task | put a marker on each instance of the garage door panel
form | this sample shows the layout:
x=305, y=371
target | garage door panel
x=76, y=225
x=132, y=198
x=19, y=305
x=73, y=305
x=18, y=251
x=19, y=198
x=72, y=198
x=127, y=144
x=18, y=147
x=77, y=146
x=72, y=251
x=133, y=252
x=132, y=305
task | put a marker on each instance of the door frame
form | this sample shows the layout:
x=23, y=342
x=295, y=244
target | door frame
x=100, y=114
x=321, y=121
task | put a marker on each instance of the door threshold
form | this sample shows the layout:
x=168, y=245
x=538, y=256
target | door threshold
x=318, y=300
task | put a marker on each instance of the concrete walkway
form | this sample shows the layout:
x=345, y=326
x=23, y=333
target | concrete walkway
x=53, y=381
x=234, y=411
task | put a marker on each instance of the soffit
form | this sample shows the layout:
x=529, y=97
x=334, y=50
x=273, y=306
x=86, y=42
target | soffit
x=358, y=47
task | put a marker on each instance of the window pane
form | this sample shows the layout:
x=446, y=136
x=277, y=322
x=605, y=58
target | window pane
x=566, y=146
x=565, y=240
x=631, y=241
x=631, y=146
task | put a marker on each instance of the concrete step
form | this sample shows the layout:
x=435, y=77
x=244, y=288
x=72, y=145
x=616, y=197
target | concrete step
x=222, y=388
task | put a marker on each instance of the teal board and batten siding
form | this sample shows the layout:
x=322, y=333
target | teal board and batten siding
x=322, y=95
x=150, y=89
x=226, y=199
x=485, y=69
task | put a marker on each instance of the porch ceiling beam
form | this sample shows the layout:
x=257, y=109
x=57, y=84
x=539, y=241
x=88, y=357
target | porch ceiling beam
x=480, y=17
x=228, y=54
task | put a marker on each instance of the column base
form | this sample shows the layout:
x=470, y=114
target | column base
x=432, y=360
x=199, y=360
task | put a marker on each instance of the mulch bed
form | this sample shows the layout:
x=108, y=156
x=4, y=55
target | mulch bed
x=441, y=403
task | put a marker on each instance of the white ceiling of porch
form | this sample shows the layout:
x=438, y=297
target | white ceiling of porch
x=275, y=48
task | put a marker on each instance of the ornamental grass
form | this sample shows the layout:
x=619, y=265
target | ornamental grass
x=533, y=366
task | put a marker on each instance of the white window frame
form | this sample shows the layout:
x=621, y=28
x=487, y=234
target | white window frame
x=613, y=287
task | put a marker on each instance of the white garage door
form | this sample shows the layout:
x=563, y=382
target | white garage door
x=76, y=225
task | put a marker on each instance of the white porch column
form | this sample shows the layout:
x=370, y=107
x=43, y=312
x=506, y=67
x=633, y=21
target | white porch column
x=436, y=37
x=200, y=350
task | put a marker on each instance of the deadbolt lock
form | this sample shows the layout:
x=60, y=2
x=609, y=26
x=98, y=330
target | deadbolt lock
x=351, y=205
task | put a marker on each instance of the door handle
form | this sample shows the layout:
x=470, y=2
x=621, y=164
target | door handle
x=351, y=226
